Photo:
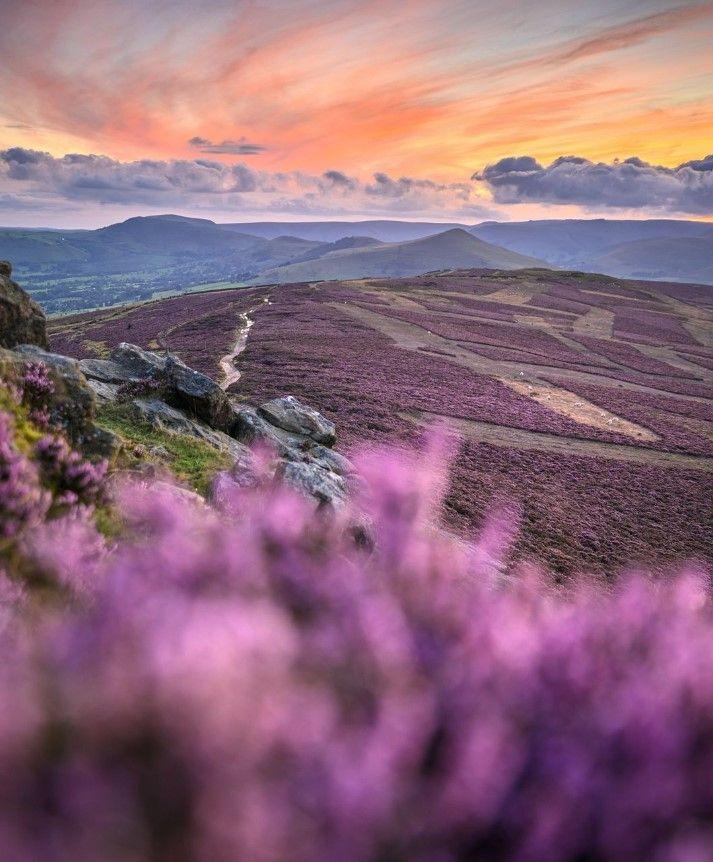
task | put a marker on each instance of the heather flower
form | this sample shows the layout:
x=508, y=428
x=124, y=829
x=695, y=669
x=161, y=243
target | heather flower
x=243, y=682
x=151, y=386
x=22, y=499
x=37, y=385
x=73, y=480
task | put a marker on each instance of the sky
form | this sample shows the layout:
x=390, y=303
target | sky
x=452, y=110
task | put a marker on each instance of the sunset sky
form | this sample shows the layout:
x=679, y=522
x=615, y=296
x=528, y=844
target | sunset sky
x=447, y=109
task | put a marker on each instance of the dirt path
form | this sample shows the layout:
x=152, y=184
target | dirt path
x=575, y=407
x=231, y=374
x=412, y=337
x=596, y=322
x=517, y=438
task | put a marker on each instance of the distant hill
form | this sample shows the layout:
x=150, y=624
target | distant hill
x=146, y=256
x=452, y=249
x=666, y=258
x=663, y=249
x=329, y=231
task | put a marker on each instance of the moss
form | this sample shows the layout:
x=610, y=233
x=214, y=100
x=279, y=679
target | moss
x=26, y=432
x=191, y=461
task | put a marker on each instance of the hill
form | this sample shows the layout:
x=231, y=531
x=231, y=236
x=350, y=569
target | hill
x=148, y=256
x=616, y=247
x=666, y=258
x=583, y=401
x=330, y=231
x=452, y=249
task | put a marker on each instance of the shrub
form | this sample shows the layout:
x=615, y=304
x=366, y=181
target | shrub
x=240, y=681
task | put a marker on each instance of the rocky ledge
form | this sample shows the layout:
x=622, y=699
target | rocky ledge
x=22, y=321
x=168, y=395
x=165, y=393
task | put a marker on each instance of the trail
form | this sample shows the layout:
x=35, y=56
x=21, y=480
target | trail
x=227, y=362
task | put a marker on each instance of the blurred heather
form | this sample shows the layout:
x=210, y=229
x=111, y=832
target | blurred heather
x=241, y=680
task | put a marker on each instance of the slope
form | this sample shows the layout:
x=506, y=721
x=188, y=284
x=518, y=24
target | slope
x=452, y=249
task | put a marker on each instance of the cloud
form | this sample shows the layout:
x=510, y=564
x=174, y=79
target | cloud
x=241, y=147
x=628, y=184
x=40, y=179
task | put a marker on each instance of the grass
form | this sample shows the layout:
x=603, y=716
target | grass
x=191, y=461
x=26, y=432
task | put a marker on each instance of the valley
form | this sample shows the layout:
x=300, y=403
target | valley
x=151, y=257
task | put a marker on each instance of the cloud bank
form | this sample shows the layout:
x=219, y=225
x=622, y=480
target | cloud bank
x=628, y=184
x=36, y=181
x=42, y=181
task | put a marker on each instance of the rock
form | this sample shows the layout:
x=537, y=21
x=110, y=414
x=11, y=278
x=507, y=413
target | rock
x=22, y=321
x=198, y=394
x=160, y=415
x=159, y=452
x=291, y=415
x=105, y=392
x=328, y=459
x=140, y=364
x=100, y=443
x=72, y=404
x=249, y=427
x=109, y=371
x=328, y=488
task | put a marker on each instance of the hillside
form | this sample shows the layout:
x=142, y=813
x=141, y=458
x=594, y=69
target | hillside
x=666, y=258
x=149, y=256
x=452, y=249
x=330, y=231
x=585, y=402
x=658, y=248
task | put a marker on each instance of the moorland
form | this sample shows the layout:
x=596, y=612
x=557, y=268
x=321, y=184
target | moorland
x=153, y=256
x=583, y=402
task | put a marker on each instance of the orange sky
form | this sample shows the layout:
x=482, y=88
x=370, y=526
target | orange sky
x=423, y=88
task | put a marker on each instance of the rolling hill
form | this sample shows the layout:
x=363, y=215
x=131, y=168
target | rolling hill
x=148, y=256
x=583, y=400
x=666, y=258
x=661, y=249
x=452, y=249
x=330, y=231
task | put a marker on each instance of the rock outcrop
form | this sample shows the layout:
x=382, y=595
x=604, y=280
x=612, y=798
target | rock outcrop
x=22, y=321
x=71, y=403
x=183, y=401
x=197, y=394
x=161, y=415
x=165, y=393
x=290, y=415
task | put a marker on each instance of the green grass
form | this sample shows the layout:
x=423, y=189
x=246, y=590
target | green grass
x=191, y=461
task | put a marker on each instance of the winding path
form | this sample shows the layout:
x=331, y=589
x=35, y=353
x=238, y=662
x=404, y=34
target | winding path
x=231, y=374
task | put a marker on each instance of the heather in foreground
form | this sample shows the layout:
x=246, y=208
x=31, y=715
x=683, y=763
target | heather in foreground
x=244, y=680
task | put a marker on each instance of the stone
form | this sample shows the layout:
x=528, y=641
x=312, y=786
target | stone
x=249, y=427
x=328, y=459
x=198, y=394
x=326, y=487
x=140, y=364
x=289, y=414
x=71, y=405
x=105, y=393
x=163, y=416
x=109, y=371
x=159, y=452
x=22, y=321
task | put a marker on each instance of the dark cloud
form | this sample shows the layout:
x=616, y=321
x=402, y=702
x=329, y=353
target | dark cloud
x=631, y=183
x=339, y=179
x=241, y=147
x=201, y=184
